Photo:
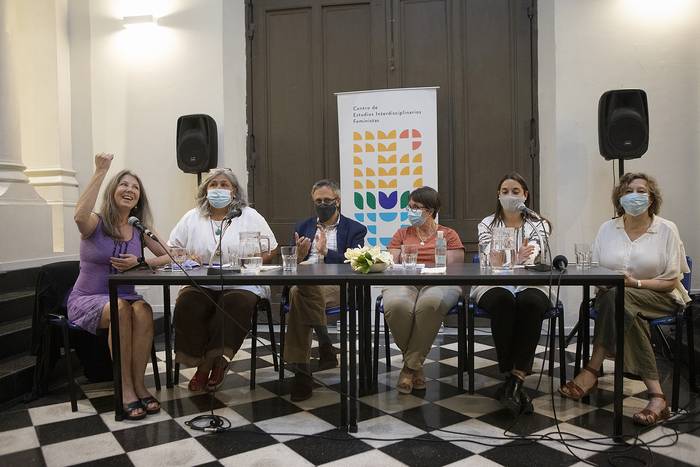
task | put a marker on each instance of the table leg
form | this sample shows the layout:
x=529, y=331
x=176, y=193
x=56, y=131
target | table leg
x=353, y=359
x=167, y=326
x=359, y=306
x=343, y=357
x=367, y=351
x=586, y=325
x=619, y=357
x=116, y=353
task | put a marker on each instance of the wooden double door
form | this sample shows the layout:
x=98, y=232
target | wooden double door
x=481, y=54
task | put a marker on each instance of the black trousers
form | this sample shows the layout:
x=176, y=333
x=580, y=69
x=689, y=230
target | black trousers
x=516, y=323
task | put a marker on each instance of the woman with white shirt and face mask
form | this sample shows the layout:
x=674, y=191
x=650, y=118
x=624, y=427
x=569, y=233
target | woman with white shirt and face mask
x=648, y=249
x=203, y=338
x=516, y=312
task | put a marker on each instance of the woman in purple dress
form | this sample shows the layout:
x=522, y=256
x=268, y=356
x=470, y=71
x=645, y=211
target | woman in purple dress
x=109, y=245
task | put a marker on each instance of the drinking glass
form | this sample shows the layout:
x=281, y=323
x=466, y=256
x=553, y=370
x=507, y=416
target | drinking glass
x=179, y=255
x=234, y=259
x=584, y=255
x=484, y=255
x=409, y=256
x=289, y=258
x=502, y=255
x=251, y=264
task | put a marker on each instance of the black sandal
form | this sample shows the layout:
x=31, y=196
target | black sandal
x=132, y=407
x=148, y=400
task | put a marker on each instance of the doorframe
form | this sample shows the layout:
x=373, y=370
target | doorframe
x=250, y=137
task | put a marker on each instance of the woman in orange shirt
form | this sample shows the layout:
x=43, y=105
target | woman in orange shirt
x=415, y=314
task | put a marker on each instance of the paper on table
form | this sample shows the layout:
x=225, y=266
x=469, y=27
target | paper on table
x=270, y=267
x=440, y=270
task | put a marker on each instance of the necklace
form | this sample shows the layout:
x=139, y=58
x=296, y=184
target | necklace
x=423, y=240
x=215, y=234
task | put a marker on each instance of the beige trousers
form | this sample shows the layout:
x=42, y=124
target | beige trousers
x=307, y=308
x=415, y=316
x=638, y=352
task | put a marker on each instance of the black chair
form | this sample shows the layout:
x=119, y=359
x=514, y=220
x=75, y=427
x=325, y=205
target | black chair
x=683, y=313
x=263, y=304
x=52, y=329
x=555, y=315
x=458, y=309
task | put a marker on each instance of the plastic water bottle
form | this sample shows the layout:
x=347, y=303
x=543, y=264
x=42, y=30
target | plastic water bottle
x=440, y=250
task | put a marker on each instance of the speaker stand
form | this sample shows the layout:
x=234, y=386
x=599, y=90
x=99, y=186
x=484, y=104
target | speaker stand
x=621, y=167
x=199, y=178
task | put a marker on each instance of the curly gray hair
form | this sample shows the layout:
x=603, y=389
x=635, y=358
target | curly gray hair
x=201, y=199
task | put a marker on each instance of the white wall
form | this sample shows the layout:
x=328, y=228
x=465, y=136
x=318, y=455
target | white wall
x=131, y=85
x=142, y=81
x=586, y=48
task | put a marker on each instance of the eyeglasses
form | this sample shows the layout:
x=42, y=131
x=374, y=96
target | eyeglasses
x=422, y=208
x=319, y=202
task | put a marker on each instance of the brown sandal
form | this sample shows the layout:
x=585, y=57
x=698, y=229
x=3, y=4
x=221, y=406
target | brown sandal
x=218, y=372
x=405, y=384
x=573, y=391
x=641, y=418
x=198, y=381
x=419, y=380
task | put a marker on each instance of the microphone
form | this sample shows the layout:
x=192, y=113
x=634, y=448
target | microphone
x=524, y=209
x=233, y=212
x=136, y=223
x=560, y=263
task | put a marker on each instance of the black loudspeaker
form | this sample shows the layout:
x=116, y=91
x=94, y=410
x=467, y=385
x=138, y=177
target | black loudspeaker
x=197, y=143
x=623, y=124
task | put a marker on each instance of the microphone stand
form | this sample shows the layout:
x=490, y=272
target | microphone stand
x=141, y=261
x=219, y=271
x=544, y=265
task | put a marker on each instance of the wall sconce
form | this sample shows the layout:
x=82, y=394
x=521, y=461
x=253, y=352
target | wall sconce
x=139, y=21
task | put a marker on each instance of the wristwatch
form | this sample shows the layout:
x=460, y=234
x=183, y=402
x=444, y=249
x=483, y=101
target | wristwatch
x=639, y=284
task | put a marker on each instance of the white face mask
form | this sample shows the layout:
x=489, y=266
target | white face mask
x=635, y=204
x=510, y=203
x=219, y=197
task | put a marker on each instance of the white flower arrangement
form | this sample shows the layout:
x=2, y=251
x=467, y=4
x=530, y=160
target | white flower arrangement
x=362, y=259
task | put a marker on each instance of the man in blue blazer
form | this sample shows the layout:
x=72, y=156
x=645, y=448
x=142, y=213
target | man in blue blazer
x=319, y=239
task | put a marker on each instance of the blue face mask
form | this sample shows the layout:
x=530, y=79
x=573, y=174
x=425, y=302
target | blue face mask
x=635, y=204
x=219, y=197
x=415, y=217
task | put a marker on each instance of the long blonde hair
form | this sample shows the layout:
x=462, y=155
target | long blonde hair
x=110, y=213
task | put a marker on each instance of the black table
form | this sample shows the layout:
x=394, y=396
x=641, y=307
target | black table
x=470, y=274
x=317, y=274
x=354, y=288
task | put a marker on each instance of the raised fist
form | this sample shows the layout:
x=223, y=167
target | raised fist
x=103, y=161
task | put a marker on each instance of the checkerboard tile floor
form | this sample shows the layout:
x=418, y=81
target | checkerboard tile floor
x=436, y=427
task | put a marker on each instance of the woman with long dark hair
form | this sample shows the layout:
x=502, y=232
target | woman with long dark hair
x=109, y=245
x=516, y=312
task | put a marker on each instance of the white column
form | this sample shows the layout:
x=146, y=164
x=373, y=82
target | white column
x=24, y=237
x=43, y=66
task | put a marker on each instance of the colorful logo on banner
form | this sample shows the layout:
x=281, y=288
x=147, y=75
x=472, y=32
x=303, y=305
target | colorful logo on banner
x=387, y=166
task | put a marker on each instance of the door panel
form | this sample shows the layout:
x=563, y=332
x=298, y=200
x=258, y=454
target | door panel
x=303, y=52
x=478, y=52
x=288, y=141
